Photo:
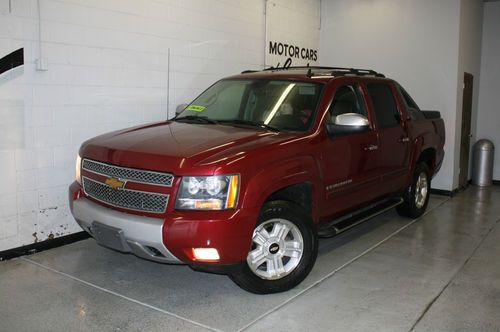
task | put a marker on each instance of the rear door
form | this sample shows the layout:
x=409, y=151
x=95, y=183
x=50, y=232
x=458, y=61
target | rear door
x=393, y=135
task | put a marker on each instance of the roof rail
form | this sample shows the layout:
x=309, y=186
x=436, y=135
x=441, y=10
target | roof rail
x=334, y=71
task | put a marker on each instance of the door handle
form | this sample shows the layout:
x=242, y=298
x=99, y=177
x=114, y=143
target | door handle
x=404, y=140
x=371, y=147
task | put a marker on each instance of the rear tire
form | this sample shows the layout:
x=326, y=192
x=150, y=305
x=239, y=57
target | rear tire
x=283, y=252
x=416, y=196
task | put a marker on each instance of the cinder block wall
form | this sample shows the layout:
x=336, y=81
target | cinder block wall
x=108, y=68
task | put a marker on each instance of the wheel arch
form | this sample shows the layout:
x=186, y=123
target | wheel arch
x=428, y=156
x=294, y=180
x=298, y=193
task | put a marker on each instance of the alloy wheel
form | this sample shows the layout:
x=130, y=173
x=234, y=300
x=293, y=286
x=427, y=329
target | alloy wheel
x=277, y=248
x=421, y=190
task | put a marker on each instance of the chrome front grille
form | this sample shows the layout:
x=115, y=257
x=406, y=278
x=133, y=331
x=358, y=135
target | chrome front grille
x=125, y=198
x=132, y=174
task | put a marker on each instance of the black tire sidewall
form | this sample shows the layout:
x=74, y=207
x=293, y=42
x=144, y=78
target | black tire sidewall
x=409, y=207
x=249, y=281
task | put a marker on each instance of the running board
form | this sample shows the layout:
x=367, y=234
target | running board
x=344, y=223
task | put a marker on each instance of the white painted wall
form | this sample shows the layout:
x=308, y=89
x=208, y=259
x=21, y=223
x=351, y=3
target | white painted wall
x=488, y=121
x=469, y=61
x=414, y=42
x=107, y=69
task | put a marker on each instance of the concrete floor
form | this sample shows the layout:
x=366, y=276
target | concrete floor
x=438, y=273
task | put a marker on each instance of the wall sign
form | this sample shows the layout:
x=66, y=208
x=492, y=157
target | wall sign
x=11, y=60
x=12, y=101
x=295, y=44
x=292, y=51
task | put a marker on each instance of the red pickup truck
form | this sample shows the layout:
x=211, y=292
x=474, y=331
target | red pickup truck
x=246, y=178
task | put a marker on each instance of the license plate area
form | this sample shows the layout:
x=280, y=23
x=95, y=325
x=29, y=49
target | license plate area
x=110, y=237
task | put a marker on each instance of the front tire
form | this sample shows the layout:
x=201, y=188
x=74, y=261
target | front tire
x=416, y=196
x=283, y=252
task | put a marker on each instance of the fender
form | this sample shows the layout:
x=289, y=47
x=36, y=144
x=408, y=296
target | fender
x=280, y=175
x=421, y=144
x=414, y=155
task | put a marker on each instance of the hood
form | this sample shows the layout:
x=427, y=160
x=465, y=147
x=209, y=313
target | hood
x=177, y=147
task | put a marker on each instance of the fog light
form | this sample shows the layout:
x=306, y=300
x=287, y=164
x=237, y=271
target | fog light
x=206, y=254
x=208, y=204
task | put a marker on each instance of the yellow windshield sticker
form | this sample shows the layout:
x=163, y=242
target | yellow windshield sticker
x=195, y=108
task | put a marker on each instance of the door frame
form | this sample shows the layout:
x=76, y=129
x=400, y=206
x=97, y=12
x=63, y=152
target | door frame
x=467, y=97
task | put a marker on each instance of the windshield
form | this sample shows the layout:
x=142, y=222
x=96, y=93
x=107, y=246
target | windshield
x=283, y=105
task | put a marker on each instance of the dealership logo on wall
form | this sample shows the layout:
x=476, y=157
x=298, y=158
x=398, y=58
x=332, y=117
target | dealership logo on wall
x=292, y=51
x=12, y=125
x=12, y=60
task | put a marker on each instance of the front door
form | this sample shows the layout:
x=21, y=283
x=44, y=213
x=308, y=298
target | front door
x=349, y=160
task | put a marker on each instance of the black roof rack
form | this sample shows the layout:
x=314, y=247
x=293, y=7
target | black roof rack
x=249, y=71
x=333, y=71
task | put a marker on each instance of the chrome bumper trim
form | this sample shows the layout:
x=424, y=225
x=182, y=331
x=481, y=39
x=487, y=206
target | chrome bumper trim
x=142, y=235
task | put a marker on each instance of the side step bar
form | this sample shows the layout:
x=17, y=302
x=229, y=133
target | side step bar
x=344, y=223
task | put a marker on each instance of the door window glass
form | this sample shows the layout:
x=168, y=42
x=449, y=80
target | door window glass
x=386, y=111
x=347, y=100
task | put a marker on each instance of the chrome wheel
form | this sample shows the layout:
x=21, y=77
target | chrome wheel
x=421, y=190
x=277, y=247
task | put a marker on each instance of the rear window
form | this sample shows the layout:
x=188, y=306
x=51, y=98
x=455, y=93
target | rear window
x=412, y=107
x=408, y=100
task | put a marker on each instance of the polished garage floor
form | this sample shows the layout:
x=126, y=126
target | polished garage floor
x=438, y=273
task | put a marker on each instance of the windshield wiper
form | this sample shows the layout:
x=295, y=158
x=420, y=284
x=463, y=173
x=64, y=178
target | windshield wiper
x=250, y=123
x=194, y=118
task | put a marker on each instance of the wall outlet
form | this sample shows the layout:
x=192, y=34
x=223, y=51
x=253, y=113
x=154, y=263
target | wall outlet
x=41, y=64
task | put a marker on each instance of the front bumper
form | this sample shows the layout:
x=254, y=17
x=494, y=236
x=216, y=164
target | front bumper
x=171, y=237
x=124, y=232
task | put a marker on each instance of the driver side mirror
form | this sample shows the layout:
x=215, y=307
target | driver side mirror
x=348, y=123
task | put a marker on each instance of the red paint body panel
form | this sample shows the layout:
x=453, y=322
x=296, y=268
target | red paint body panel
x=342, y=173
x=228, y=231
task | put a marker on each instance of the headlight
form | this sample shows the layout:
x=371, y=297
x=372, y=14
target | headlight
x=78, y=168
x=208, y=192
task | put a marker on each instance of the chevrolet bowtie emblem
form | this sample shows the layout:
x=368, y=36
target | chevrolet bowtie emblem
x=115, y=183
